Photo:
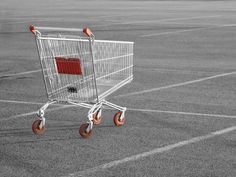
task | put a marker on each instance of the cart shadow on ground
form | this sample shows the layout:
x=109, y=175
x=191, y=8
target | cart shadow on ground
x=25, y=135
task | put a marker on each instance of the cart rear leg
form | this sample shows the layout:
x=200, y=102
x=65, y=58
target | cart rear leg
x=119, y=117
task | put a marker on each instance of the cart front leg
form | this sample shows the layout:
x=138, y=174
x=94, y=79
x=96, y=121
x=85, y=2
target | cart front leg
x=38, y=126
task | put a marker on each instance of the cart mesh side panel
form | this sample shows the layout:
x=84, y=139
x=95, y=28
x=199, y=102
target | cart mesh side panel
x=67, y=69
x=113, y=65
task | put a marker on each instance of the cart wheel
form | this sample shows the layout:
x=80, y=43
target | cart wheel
x=96, y=118
x=117, y=120
x=82, y=131
x=36, y=129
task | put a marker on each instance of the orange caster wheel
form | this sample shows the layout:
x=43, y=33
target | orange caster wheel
x=97, y=119
x=36, y=129
x=82, y=131
x=117, y=120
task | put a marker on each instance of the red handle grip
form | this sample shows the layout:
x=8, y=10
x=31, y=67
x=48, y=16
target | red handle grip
x=32, y=29
x=88, y=32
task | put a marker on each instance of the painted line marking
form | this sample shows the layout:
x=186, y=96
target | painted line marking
x=128, y=109
x=20, y=102
x=24, y=21
x=199, y=24
x=152, y=69
x=159, y=20
x=174, y=85
x=188, y=30
x=38, y=20
x=34, y=112
x=21, y=73
x=174, y=32
x=110, y=16
x=183, y=113
x=153, y=152
x=124, y=95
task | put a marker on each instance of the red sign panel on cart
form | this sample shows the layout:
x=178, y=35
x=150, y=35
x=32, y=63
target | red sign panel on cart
x=68, y=65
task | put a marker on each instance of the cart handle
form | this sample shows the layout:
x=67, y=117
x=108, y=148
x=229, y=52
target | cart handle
x=86, y=30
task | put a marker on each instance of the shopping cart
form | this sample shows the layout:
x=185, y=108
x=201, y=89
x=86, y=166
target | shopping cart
x=82, y=71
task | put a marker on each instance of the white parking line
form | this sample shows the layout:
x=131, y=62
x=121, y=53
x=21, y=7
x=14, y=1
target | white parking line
x=183, y=113
x=129, y=94
x=109, y=16
x=174, y=85
x=175, y=32
x=182, y=71
x=198, y=24
x=153, y=152
x=188, y=30
x=128, y=109
x=21, y=73
x=34, y=112
x=20, y=102
x=158, y=20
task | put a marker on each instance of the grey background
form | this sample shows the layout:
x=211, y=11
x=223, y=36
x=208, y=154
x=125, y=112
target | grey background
x=192, y=40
